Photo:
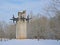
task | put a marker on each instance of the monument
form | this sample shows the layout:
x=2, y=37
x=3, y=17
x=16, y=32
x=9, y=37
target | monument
x=21, y=25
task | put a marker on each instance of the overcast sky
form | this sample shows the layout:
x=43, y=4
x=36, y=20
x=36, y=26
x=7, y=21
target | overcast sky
x=10, y=7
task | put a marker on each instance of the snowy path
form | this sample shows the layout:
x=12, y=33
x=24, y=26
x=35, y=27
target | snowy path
x=30, y=42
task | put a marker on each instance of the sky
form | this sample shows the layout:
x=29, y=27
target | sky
x=10, y=7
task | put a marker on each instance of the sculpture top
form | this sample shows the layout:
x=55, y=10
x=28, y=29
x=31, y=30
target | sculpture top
x=22, y=14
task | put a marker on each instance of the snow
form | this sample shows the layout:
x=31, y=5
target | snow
x=30, y=42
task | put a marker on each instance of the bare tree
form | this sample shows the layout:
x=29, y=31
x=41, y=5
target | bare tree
x=7, y=30
x=11, y=31
x=2, y=33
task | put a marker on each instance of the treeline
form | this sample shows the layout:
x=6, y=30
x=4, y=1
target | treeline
x=44, y=28
x=7, y=31
x=48, y=25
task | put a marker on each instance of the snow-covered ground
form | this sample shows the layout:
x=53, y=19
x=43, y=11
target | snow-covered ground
x=30, y=42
